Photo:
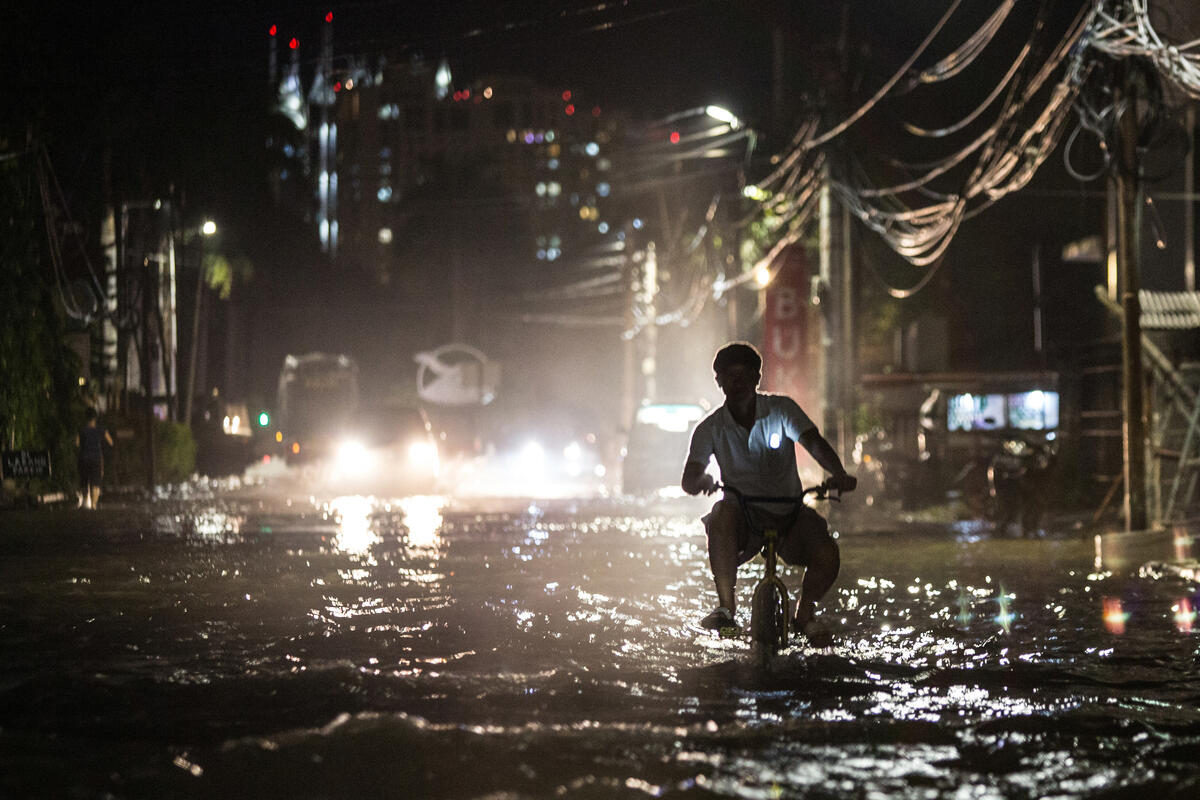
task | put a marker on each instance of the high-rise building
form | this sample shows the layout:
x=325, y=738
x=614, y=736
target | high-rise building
x=393, y=159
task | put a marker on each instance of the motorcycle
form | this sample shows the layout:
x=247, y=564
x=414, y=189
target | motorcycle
x=1010, y=484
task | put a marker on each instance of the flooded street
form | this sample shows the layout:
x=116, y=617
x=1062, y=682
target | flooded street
x=240, y=646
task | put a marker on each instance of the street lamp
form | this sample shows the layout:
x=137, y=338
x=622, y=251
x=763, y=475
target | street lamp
x=208, y=229
x=723, y=115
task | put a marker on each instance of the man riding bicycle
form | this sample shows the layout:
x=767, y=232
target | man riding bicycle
x=752, y=438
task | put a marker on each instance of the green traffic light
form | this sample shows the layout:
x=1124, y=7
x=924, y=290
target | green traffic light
x=264, y=419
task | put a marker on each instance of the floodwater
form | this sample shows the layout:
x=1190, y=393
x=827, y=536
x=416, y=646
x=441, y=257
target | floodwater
x=231, y=647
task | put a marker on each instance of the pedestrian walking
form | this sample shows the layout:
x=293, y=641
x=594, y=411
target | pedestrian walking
x=91, y=440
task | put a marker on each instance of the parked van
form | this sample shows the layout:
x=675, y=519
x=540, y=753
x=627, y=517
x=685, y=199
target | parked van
x=657, y=447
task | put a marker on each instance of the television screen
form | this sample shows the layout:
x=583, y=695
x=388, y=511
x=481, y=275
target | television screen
x=1036, y=410
x=976, y=412
x=1033, y=411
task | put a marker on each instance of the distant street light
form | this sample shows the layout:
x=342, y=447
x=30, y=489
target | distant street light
x=209, y=227
x=723, y=115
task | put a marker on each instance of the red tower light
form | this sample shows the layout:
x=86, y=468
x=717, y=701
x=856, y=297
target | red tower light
x=329, y=17
x=337, y=87
x=570, y=109
x=566, y=95
x=294, y=43
x=271, y=31
x=674, y=137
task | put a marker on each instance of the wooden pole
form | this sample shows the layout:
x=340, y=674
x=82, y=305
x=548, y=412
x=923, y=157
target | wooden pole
x=1128, y=189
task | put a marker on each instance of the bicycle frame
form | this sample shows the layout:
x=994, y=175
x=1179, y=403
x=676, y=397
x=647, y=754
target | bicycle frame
x=770, y=593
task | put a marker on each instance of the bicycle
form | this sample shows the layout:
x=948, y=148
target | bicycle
x=769, y=617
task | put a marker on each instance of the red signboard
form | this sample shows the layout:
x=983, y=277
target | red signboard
x=790, y=360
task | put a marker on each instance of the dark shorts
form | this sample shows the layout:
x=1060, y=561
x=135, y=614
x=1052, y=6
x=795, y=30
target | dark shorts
x=90, y=472
x=803, y=530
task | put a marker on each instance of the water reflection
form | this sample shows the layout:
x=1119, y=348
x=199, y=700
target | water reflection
x=423, y=519
x=1115, y=615
x=537, y=651
x=1182, y=539
x=1184, y=615
x=354, y=534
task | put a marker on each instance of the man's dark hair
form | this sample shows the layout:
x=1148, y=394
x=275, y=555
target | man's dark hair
x=737, y=353
x=91, y=414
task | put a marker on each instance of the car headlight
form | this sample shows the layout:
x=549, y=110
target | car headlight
x=350, y=458
x=531, y=458
x=423, y=454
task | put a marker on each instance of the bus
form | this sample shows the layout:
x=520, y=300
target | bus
x=317, y=401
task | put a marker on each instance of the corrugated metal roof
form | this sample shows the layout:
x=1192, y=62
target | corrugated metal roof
x=1170, y=310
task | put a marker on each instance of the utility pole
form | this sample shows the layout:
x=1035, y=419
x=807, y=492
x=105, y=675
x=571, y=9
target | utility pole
x=650, y=301
x=147, y=369
x=197, y=309
x=1127, y=188
x=1189, y=204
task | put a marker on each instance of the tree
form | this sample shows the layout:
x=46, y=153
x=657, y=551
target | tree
x=40, y=398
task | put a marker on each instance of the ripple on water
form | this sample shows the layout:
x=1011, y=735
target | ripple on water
x=367, y=643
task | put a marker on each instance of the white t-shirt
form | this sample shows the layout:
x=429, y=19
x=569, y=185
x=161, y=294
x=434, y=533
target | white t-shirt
x=763, y=462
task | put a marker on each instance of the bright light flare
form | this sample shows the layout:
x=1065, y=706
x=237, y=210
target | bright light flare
x=354, y=534
x=1114, y=615
x=1005, y=616
x=350, y=458
x=424, y=456
x=423, y=518
x=209, y=228
x=531, y=458
x=1185, y=615
x=723, y=115
x=762, y=276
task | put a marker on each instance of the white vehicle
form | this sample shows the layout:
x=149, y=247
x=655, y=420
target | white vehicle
x=657, y=447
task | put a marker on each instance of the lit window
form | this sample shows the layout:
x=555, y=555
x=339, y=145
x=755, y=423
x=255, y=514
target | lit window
x=603, y=189
x=592, y=149
x=385, y=235
x=540, y=189
x=384, y=194
x=552, y=163
x=511, y=136
x=602, y=227
x=554, y=189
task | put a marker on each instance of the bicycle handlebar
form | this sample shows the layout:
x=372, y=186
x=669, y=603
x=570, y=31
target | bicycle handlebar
x=821, y=491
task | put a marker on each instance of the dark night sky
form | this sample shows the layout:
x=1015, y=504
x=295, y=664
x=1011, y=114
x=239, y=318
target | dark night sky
x=187, y=82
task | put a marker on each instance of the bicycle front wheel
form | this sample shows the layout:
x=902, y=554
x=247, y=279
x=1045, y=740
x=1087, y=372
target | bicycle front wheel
x=768, y=620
